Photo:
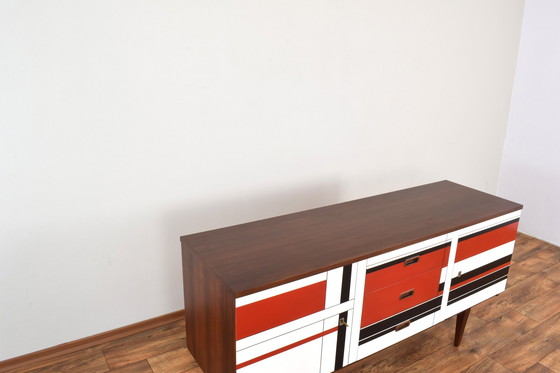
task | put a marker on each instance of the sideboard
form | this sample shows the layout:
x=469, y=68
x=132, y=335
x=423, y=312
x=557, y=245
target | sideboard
x=316, y=290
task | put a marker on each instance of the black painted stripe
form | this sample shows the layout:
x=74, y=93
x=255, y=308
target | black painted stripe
x=477, y=284
x=346, y=278
x=392, y=328
x=478, y=289
x=392, y=321
x=488, y=229
x=441, y=286
x=477, y=271
x=401, y=260
x=340, y=341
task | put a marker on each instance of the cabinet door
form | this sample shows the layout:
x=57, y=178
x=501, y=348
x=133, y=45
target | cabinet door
x=481, y=262
x=299, y=324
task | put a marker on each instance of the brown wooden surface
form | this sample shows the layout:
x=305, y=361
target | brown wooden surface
x=265, y=253
x=209, y=310
x=523, y=338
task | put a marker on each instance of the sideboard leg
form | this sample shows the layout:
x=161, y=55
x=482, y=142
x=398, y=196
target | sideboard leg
x=460, y=326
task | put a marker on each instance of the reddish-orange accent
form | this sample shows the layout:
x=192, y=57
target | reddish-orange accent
x=384, y=277
x=274, y=311
x=480, y=275
x=486, y=241
x=286, y=348
x=445, y=256
x=385, y=302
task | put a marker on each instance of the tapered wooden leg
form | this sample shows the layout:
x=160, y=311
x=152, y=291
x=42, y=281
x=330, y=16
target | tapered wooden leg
x=460, y=326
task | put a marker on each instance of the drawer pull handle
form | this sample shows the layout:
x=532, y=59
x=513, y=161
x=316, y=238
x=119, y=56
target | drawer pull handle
x=342, y=322
x=402, y=326
x=409, y=261
x=406, y=294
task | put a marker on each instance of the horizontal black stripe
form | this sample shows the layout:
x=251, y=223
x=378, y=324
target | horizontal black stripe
x=477, y=271
x=392, y=328
x=475, y=285
x=478, y=289
x=488, y=229
x=441, y=286
x=401, y=260
x=431, y=305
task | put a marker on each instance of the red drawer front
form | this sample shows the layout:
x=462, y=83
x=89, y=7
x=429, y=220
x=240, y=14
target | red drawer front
x=268, y=313
x=386, y=302
x=380, y=278
x=479, y=242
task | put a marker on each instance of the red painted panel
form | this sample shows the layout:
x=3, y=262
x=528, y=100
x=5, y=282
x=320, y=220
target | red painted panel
x=286, y=348
x=399, y=272
x=383, y=303
x=480, y=275
x=274, y=311
x=486, y=241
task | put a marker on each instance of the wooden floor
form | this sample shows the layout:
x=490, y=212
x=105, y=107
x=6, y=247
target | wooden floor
x=517, y=331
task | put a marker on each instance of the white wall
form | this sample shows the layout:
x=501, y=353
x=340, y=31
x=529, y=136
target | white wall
x=125, y=124
x=530, y=171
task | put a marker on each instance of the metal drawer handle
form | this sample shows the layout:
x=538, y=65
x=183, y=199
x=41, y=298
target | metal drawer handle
x=409, y=261
x=402, y=326
x=343, y=322
x=406, y=294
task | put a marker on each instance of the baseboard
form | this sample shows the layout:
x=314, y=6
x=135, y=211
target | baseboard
x=94, y=340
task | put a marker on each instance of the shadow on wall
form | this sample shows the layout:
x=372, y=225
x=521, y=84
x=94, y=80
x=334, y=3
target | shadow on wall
x=201, y=216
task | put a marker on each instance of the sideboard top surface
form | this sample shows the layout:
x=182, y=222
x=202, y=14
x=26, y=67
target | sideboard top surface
x=257, y=255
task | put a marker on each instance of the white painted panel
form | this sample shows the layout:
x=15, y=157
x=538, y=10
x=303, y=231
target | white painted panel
x=450, y=260
x=474, y=299
x=357, y=316
x=305, y=359
x=293, y=325
x=278, y=342
x=488, y=223
x=483, y=258
x=334, y=287
x=405, y=251
x=393, y=337
x=255, y=297
x=443, y=275
x=328, y=355
x=350, y=321
x=353, y=281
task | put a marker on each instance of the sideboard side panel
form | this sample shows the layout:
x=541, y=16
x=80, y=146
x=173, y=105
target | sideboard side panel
x=210, y=318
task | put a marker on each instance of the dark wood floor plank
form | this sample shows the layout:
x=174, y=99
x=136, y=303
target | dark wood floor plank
x=517, y=295
x=475, y=345
x=542, y=307
x=530, y=348
x=538, y=368
x=85, y=361
x=552, y=361
x=152, y=343
x=139, y=367
x=487, y=365
x=177, y=361
x=526, y=246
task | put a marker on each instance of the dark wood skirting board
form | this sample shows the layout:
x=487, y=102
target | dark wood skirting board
x=91, y=341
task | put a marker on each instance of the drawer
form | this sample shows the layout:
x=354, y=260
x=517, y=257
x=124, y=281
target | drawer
x=398, y=297
x=401, y=269
x=486, y=239
x=394, y=334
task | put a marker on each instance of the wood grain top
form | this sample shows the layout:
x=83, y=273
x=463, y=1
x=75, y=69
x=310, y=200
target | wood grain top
x=254, y=256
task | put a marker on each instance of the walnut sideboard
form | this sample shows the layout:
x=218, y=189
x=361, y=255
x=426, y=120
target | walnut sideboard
x=314, y=291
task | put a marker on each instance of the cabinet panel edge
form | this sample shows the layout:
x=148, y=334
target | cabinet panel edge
x=209, y=316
